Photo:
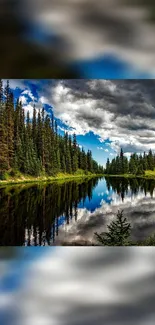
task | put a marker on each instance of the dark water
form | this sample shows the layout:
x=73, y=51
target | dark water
x=55, y=213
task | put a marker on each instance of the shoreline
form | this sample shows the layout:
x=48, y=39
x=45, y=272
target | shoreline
x=46, y=179
x=132, y=176
x=25, y=179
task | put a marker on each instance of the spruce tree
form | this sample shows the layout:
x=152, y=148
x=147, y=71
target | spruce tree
x=4, y=162
x=140, y=170
x=118, y=234
x=33, y=146
x=9, y=123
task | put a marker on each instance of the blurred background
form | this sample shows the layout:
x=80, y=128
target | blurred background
x=74, y=286
x=77, y=39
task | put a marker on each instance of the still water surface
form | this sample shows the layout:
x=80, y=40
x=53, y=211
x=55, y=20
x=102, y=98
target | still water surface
x=55, y=213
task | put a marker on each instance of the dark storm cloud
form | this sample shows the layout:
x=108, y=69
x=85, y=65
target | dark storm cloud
x=134, y=125
x=130, y=97
x=120, y=110
x=93, y=121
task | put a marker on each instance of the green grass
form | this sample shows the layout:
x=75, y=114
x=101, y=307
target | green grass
x=149, y=174
x=20, y=178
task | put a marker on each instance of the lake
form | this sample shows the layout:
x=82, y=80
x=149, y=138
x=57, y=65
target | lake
x=56, y=213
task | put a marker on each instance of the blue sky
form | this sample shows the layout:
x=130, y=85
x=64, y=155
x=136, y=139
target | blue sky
x=106, y=115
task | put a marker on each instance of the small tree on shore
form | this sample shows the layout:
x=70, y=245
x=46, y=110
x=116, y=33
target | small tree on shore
x=118, y=234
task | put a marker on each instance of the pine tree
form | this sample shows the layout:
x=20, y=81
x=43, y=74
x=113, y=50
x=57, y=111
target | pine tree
x=74, y=154
x=34, y=125
x=132, y=166
x=150, y=160
x=118, y=234
x=63, y=164
x=34, y=146
x=122, y=161
x=4, y=163
x=140, y=170
x=9, y=124
x=108, y=166
x=68, y=161
x=89, y=160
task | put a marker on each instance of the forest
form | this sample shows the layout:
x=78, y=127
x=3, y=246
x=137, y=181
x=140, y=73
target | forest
x=34, y=146
x=135, y=165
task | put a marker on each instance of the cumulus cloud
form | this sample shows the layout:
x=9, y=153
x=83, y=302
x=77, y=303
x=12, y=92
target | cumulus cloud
x=23, y=99
x=29, y=93
x=43, y=100
x=122, y=111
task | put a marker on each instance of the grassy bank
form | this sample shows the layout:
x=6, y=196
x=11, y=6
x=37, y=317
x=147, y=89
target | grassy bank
x=22, y=179
x=149, y=174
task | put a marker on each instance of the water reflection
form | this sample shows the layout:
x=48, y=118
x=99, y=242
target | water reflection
x=31, y=215
x=58, y=213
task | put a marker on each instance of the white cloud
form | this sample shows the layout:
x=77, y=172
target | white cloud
x=127, y=154
x=23, y=99
x=82, y=112
x=28, y=108
x=29, y=93
x=44, y=100
x=100, y=148
x=106, y=150
x=14, y=83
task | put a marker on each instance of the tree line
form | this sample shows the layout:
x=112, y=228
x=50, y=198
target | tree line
x=124, y=185
x=136, y=165
x=34, y=146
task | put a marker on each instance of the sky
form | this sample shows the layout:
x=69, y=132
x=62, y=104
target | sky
x=106, y=115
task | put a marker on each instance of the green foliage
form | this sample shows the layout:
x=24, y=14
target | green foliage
x=136, y=165
x=150, y=241
x=118, y=234
x=140, y=170
x=34, y=147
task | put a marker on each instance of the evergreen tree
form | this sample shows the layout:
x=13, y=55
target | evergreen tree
x=150, y=160
x=89, y=160
x=9, y=123
x=34, y=126
x=74, y=154
x=68, y=161
x=107, y=166
x=4, y=163
x=118, y=234
x=132, y=166
x=140, y=170
x=121, y=162
x=63, y=164
x=34, y=146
